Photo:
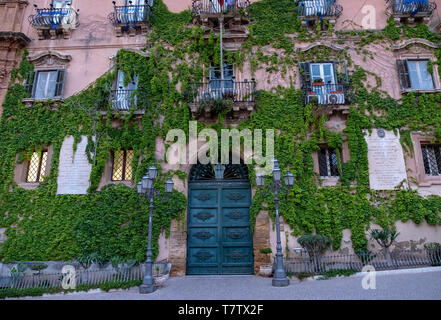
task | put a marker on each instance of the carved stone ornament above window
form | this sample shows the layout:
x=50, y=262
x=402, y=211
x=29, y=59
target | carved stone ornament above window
x=321, y=44
x=50, y=59
x=415, y=46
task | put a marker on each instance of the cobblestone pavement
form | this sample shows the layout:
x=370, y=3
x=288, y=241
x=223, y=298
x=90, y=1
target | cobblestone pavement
x=425, y=284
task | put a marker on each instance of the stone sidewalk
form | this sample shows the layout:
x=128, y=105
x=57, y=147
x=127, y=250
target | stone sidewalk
x=400, y=284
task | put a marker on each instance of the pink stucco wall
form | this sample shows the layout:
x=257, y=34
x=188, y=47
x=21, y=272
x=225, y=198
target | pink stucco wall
x=90, y=45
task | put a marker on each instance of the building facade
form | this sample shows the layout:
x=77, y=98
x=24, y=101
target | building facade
x=92, y=91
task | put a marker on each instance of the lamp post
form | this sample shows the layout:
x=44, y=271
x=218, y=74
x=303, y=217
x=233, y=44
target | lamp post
x=280, y=279
x=146, y=187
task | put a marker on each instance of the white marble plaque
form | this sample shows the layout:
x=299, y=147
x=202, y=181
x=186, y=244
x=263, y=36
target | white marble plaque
x=73, y=172
x=386, y=160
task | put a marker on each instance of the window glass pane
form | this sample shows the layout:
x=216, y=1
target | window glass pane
x=33, y=168
x=41, y=84
x=52, y=83
x=315, y=71
x=328, y=73
x=43, y=166
x=129, y=158
x=426, y=77
x=118, y=162
x=432, y=159
x=120, y=82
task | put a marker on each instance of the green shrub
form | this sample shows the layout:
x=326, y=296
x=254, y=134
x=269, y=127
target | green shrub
x=314, y=244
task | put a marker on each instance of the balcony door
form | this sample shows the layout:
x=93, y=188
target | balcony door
x=135, y=11
x=124, y=95
x=219, y=87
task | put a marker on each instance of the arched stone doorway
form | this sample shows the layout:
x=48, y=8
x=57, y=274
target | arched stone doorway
x=218, y=224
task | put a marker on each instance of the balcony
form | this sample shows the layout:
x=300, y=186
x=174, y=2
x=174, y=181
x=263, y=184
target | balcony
x=207, y=96
x=234, y=14
x=410, y=10
x=130, y=18
x=311, y=11
x=328, y=94
x=52, y=22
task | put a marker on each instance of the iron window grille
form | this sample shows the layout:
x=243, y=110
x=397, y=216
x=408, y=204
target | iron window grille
x=328, y=162
x=37, y=167
x=46, y=84
x=414, y=75
x=432, y=159
x=320, y=8
x=122, y=165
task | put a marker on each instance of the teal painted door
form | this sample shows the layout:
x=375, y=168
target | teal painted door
x=219, y=235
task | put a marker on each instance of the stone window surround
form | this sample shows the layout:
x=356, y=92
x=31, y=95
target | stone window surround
x=418, y=49
x=416, y=161
x=47, y=61
x=21, y=170
x=106, y=178
x=345, y=156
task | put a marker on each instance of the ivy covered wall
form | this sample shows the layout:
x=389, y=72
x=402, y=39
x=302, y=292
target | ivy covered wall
x=41, y=225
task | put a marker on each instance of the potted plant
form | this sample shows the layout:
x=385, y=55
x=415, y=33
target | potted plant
x=266, y=269
x=433, y=250
x=161, y=273
x=37, y=267
x=318, y=82
x=385, y=238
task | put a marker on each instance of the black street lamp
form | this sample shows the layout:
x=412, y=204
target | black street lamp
x=146, y=187
x=280, y=279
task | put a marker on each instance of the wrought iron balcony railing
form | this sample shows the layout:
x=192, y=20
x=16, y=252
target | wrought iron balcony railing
x=130, y=15
x=53, y=18
x=410, y=7
x=328, y=94
x=223, y=90
x=217, y=6
x=320, y=8
x=123, y=99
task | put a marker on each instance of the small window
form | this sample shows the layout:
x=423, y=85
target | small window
x=37, y=167
x=414, y=75
x=46, y=84
x=328, y=162
x=62, y=3
x=432, y=159
x=122, y=165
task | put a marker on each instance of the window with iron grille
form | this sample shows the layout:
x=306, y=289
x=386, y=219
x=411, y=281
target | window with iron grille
x=432, y=159
x=46, y=84
x=328, y=162
x=37, y=167
x=122, y=165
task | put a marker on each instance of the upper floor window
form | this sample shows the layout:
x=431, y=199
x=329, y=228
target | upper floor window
x=124, y=93
x=312, y=11
x=414, y=74
x=432, y=159
x=37, y=167
x=57, y=20
x=122, y=165
x=328, y=162
x=326, y=82
x=46, y=84
x=62, y=3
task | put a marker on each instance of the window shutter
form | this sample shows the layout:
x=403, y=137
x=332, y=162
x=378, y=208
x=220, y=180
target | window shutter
x=305, y=74
x=403, y=74
x=31, y=79
x=59, y=87
x=323, y=165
